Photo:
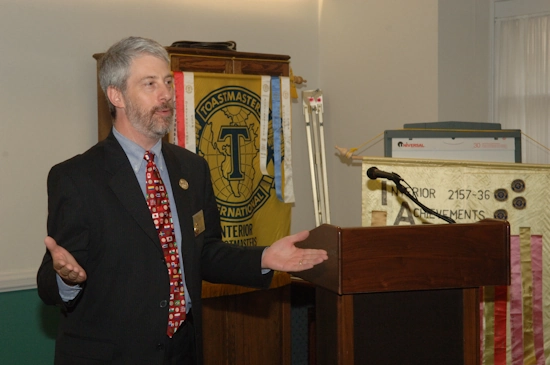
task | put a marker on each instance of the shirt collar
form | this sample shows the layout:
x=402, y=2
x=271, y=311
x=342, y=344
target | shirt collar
x=135, y=152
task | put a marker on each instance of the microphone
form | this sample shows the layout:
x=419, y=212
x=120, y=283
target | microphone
x=373, y=173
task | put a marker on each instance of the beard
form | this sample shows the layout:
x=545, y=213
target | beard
x=147, y=122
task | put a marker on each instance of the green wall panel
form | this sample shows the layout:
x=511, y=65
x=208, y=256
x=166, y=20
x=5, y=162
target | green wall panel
x=27, y=329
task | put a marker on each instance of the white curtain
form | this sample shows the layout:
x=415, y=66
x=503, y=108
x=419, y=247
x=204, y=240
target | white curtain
x=522, y=82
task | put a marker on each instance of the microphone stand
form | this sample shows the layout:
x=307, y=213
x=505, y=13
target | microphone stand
x=404, y=191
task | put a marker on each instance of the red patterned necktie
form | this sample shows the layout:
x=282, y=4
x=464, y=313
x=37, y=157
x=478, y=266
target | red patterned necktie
x=159, y=205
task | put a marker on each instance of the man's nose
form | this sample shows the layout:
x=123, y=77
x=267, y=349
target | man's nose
x=167, y=92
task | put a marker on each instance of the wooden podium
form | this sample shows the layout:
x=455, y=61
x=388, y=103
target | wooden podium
x=405, y=294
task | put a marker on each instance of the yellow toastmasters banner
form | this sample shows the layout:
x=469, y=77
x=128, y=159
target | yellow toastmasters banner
x=220, y=118
x=516, y=318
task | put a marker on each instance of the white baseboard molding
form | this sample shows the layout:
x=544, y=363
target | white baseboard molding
x=17, y=280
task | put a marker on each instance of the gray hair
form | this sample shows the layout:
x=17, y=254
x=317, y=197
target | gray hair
x=114, y=65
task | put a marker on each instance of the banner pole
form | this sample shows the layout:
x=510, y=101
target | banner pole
x=320, y=111
x=312, y=102
x=311, y=163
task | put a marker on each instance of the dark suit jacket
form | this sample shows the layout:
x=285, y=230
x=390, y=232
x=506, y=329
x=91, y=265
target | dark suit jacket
x=97, y=211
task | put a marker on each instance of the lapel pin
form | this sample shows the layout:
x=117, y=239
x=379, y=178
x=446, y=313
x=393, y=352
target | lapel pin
x=184, y=184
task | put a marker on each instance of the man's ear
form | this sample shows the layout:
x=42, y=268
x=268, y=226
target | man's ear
x=115, y=97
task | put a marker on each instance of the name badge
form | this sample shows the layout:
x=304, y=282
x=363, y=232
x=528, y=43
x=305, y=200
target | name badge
x=198, y=223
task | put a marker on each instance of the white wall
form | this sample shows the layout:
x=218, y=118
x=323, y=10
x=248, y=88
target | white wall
x=379, y=69
x=387, y=63
x=376, y=61
x=464, y=60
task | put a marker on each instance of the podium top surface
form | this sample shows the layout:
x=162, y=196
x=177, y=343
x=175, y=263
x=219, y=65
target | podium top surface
x=417, y=257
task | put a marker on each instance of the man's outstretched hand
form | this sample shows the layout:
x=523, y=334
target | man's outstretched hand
x=65, y=264
x=283, y=255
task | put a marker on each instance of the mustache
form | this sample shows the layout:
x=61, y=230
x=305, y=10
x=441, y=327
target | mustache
x=168, y=105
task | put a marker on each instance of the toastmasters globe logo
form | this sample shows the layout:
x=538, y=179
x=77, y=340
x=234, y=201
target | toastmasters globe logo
x=228, y=133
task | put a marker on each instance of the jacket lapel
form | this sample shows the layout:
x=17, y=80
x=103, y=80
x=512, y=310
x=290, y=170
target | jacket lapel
x=181, y=196
x=125, y=186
